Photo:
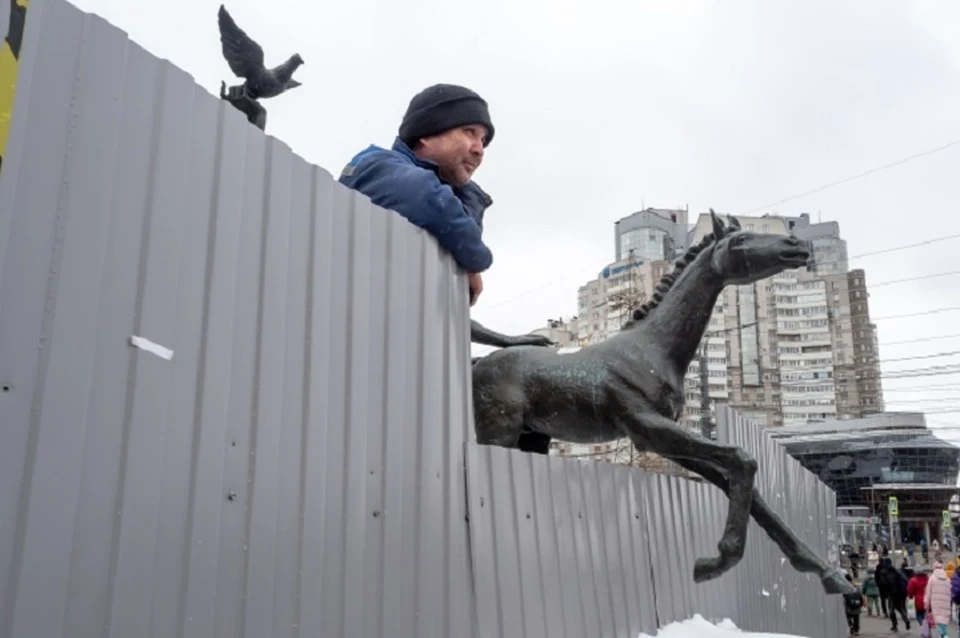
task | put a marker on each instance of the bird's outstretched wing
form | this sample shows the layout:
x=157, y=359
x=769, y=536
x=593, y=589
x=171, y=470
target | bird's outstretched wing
x=244, y=56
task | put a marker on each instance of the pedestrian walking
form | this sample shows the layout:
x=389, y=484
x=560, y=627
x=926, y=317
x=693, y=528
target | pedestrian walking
x=853, y=604
x=937, y=598
x=955, y=588
x=893, y=583
x=872, y=593
x=916, y=590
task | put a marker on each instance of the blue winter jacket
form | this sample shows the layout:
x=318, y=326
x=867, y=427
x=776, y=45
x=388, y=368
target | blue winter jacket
x=398, y=180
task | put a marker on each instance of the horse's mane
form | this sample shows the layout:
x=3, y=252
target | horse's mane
x=667, y=281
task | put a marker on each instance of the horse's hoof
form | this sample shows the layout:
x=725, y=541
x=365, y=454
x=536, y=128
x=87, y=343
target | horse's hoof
x=706, y=569
x=835, y=583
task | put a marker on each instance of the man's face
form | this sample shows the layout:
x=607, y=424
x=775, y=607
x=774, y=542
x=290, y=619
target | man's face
x=458, y=152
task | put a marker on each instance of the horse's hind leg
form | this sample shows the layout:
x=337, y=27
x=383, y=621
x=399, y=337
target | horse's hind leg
x=658, y=434
x=498, y=418
x=801, y=557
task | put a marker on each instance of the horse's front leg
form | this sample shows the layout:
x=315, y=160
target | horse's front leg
x=658, y=434
x=801, y=557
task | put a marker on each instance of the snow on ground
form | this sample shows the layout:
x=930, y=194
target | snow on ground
x=698, y=627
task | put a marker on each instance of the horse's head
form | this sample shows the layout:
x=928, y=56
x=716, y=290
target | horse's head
x=743, y=257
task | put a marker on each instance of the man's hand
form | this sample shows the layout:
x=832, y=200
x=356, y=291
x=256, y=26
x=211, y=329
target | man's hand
x=476, y=287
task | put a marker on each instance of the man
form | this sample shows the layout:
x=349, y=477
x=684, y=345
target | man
x=427, y=177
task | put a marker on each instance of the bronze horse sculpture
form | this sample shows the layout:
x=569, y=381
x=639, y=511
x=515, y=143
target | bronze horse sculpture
x=632, y=385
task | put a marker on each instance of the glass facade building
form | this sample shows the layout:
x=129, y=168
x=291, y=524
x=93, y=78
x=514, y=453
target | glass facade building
x=866, y=460
x=848, y=465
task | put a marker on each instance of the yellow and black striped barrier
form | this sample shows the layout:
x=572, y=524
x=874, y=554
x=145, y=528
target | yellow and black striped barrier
x=9, y=66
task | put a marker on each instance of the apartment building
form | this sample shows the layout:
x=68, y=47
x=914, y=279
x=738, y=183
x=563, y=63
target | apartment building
x=651, y=234
x=793, y=354
x=790, y=349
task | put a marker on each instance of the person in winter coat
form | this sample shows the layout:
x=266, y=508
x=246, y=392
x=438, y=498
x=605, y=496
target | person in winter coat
x=907, y=571
x=853, y=607
x=950, y=568
x=427, y=175
x=883, y=586
x=892, y=581
x=955, y=588
x=916, y=589
x=872, y=593
x=937, y=598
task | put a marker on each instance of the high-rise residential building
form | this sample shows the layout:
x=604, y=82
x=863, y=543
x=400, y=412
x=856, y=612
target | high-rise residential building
x=829, y=250
x=604, y=304
x=652, y=234
x=792, y=357
x=866, y=376
x=787, y=350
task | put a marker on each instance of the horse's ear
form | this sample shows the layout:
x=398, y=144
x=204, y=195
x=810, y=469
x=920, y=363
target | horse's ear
x=718, y=229
x=734, y=222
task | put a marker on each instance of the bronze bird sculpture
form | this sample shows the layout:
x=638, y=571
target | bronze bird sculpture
x=246, y=60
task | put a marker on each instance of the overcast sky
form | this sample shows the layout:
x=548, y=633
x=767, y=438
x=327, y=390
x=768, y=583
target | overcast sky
x=603, y=107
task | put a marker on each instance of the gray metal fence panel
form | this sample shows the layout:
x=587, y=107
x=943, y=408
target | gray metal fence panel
x=302, y=464
x=583, y=540
x=296, y=467
x=793, y=602
x=559, y=546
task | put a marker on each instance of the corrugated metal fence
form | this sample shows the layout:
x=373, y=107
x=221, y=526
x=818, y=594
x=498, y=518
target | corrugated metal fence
x=298, y=462
x=297, y=466
x=566, y=548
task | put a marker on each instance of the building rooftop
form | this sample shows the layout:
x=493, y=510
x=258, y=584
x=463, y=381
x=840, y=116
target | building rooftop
x=885, y=430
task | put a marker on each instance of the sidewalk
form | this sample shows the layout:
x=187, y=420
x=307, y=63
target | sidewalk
x=873, y=627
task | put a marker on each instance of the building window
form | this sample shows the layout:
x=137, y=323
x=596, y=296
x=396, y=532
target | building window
x=647, y=244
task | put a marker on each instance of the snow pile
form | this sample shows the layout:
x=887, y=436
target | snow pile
x=698, y=627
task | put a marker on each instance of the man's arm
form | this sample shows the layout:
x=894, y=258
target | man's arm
x=419, y=195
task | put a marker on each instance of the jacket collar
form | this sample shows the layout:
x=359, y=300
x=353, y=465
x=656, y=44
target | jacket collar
x=471, y=192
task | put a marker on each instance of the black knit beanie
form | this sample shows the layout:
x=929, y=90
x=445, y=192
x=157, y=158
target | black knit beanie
x=440, y=108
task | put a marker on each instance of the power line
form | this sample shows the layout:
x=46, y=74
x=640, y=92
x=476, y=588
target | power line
x=886, y=251
x=934, y=311
x=857, y=176
x=925, y=242
x=882, y=251
x=943, y=387
x=948, y=353
x=952, y=335
x=918, y=278
x=883, y=377
x=938, y=149
x=932, y=355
